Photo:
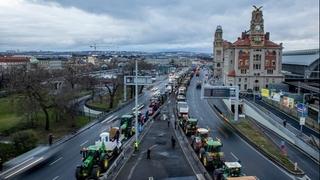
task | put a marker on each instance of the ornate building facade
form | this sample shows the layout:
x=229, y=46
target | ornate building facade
x=253, y=61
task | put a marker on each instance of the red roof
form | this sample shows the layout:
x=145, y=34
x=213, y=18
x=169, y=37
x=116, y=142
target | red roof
x=242, y=42
x=269, y=43
x=232, y=73
x=14, y=59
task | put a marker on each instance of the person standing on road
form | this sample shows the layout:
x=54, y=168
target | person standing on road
x=148, y=153
x=168, y=122
x=50, y=139
x=284, y=123
x=175, y=124
x=173, y=142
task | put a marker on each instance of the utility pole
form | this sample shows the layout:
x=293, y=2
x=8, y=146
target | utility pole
x=136, y=99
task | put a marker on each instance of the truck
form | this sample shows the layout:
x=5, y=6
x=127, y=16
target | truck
x=182, y=109
x=168, y=89
x=181, y=98
x=231, y=171
x=96, y=158
x=127, y=125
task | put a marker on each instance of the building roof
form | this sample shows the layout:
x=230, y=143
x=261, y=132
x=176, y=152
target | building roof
x=8, y=59
x=300, y=57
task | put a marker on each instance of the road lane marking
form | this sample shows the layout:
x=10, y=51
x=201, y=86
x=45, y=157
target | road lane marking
x=55, y=178
x=23, y=168
x=234, y=156
x=107, y=119
x=16, y=166
x=84, y=143
x=55, y=161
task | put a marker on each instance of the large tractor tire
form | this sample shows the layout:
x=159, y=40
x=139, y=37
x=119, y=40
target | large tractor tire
x=104, y=163
x=95, y=173
x=78, y=173
x=205, y=161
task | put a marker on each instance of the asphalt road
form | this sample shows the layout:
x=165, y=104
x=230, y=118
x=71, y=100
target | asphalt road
x=62, y=165
x=306, y=130
x=234, y=147
x=165, y=161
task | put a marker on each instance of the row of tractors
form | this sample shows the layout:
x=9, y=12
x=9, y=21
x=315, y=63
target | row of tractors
x=96, y=158
x=207, y=148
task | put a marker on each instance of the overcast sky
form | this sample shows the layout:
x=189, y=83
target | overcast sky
x=150, y=25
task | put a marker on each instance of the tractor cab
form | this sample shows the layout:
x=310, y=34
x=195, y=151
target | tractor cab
x=126, y=125
x=191, y=126
x=201, y=136
x=232, y=169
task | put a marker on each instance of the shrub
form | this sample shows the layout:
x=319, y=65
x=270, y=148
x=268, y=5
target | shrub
x=7, y=151
x=24, y=140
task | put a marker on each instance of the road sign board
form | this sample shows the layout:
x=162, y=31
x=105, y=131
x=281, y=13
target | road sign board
x=219, y=92
x=302, y=121
x=141, y=80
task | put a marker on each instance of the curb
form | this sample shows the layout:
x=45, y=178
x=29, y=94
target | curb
x=256, y=146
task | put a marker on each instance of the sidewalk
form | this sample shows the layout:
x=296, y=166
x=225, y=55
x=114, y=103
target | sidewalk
x=165, y=161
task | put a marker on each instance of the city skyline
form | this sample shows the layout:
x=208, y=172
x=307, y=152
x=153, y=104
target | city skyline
x=141, y=25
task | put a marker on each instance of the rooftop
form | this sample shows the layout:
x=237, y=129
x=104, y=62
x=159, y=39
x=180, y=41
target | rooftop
x=301, y=57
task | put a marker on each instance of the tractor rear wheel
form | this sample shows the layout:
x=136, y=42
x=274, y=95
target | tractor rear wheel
x=105, y=163
x=78, y=174
x=95, y=172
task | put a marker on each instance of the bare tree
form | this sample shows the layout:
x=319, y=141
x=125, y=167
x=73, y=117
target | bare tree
x=112, y=86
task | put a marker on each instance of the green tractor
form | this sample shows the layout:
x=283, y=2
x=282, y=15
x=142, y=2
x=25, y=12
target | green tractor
x=231, y=171
x=127, y=126
x=190, y=126
x=211, y=155
x=95, y=158
x=94, y=161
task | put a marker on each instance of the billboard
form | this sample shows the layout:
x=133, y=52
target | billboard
x=141, y=80
x=265, y=92
x=288, y=102
x=275, y=96
x=218, y=92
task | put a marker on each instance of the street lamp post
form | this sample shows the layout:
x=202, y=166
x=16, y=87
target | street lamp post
x=136, y=100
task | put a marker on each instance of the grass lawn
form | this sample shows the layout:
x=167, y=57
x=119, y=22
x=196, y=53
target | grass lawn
x=8, y=118
x=251, y=131
x=103, y=104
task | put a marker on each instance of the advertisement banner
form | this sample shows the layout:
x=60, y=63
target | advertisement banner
x=288, y=102
x=275, y=96
x=265, y=92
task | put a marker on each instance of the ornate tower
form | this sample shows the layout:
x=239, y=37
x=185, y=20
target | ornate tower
x=257, y=27
x=218, y=53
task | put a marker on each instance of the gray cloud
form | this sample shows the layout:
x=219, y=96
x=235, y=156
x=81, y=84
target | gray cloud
x=149, y=25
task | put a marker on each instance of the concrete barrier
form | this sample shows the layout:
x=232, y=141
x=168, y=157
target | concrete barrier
x=274, y=123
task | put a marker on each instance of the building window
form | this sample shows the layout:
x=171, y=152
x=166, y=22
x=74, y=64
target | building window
x=256, y=81
x=257, y=66
x=239, y=86
x=239, y=79
x=243, y=71
x=269, y=71
x=230, y=84
x=245, y=79
x=218, y=65
x=267, y=80
x=245, y=87
x=218, y=52
x=257, y=57
x=256, y=88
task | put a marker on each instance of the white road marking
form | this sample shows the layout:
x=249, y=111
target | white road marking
x=234, y=156
x=107, y=119
x=23, y=168
x=55, y=178
x=14, y=167
x=84, y=143
x=55, y=161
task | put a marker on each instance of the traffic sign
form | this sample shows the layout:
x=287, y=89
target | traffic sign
x=141, y=80
x=219, y=92
x=302, y=121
